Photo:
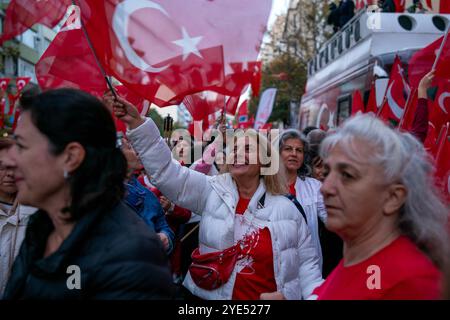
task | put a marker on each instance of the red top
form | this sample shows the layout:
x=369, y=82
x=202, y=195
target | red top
x=292, y=190
x=257, y=276
x=400, y=271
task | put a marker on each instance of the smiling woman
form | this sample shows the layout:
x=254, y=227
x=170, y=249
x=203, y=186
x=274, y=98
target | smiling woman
x=382, y=201
x=66, y=163
x=241, y=211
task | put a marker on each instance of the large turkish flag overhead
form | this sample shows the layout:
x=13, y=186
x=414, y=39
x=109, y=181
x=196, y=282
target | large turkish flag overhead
x=165, y=50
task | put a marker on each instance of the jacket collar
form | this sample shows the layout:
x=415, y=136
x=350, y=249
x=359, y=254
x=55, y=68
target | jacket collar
x=226, y=188
x=39, y=229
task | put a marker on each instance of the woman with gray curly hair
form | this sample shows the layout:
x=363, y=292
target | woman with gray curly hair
x=382, y=201
x=294, y=153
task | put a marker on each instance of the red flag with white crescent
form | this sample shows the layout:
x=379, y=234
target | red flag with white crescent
x=4, y=84
x=357, y=103
x=431, y=139
x=443, y=160
x=439, y=110
x=406, y=123
x=21, y=82
x=165, y=50
x=68, y=62
x=397, y=93
x=372, y=102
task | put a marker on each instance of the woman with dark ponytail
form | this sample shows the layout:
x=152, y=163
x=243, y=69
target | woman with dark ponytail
x=83, y=243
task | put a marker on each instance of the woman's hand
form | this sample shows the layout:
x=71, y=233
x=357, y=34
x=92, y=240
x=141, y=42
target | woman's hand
x=425, y=83
x=164, y=239
x=277, y=295
x=124, y=110
x=165, y=203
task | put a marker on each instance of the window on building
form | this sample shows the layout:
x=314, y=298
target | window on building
x=28, y=38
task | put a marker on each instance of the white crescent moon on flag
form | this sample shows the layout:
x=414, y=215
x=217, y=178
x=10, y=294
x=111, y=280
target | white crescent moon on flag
x=395, y=108
x=120, y=21
x=21, y=84
x=442, y=98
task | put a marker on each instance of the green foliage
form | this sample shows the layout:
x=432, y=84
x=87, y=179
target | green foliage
x=288, y=74
x=159, y=121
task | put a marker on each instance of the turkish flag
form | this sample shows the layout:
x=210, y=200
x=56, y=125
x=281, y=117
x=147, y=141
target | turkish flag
x=242, y=115
x=397, y=93
x=21, y=82
x=431, y=139
x=165, y=50
x=203, y=105
x=256, y=79
x=12, y=103
x=357, y=103
x=241, y=75
x=444, y=6
x=439, y=109
x=410, y=110
x=443, y=160
x=69, y=62
x=232, y=104
x=399, y=5
x=360, y=4
x=422, y=62
x=21, y=15
x=2, y=112
x=4, y=84
x=372, y=102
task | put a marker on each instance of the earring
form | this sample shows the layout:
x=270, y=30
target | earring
x=66, y=174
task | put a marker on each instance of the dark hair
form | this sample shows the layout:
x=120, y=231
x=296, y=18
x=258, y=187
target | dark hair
x=308, y=130
x=69, y=115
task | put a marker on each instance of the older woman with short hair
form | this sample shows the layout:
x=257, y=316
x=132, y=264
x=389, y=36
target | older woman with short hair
x=382, y=201
x=243, y=206
x=294, y=153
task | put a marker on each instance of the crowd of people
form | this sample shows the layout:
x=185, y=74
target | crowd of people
x=341, y=13
x=348, y=214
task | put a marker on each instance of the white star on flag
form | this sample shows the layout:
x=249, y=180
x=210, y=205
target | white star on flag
x=188, y=44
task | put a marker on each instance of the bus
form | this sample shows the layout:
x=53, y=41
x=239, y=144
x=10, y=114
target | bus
x=361, y=56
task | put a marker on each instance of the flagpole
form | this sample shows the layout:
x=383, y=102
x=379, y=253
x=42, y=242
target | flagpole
x=441, y=48
x=97, y=61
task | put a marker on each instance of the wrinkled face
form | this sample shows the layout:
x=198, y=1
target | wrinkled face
x=292, y=153
x=39, y=174
x=353, y=192
x=243, y=161
x=7, y=182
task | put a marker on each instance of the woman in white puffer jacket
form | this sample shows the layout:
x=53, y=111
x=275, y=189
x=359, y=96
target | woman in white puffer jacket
x=230, y=212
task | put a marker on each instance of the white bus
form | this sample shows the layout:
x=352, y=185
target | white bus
x=359, y=55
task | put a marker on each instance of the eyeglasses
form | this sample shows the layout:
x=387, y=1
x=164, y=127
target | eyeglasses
x=289, y=149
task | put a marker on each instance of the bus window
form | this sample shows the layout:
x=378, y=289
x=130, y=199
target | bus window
x=343, y=109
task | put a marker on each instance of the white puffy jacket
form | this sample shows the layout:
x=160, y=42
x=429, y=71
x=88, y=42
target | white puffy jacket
x=296, y=262
x=309, y=196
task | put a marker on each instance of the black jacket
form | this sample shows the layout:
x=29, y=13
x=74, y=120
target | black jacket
x=118, y=256
x=346, y=12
